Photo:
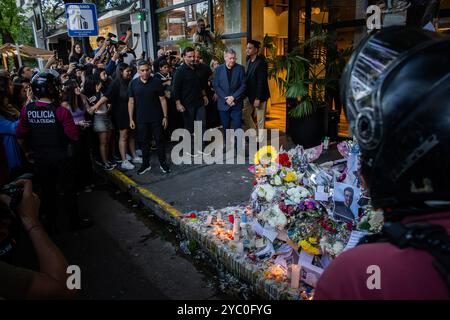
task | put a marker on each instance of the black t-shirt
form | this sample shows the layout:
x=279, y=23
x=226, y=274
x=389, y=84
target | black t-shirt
x=146, y=99
x=188, y=86
x=117, y=95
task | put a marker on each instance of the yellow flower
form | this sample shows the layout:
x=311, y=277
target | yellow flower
x=290, y=176
x=308, y=248
x=312, y=240
x=264, y=151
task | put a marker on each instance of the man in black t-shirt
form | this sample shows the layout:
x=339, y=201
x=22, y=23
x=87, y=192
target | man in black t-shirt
x=146, y=95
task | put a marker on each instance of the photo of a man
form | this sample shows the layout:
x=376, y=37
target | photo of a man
x=346, y=201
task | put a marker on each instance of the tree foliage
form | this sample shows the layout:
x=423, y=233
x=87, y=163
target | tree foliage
x=14, y=26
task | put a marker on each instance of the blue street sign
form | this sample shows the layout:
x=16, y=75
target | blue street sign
x=81, y=19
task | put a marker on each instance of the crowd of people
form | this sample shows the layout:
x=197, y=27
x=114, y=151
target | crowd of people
x=113, y=108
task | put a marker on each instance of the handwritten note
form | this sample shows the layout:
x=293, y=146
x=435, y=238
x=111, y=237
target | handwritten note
x=320, y=194
x=355, y=236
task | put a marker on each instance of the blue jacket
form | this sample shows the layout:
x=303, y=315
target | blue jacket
x=223, y=89
x=12, y=149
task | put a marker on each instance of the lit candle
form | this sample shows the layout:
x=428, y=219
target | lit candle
x=240, y=247
x=236, y=226
x=295, y=276
x=219, y=216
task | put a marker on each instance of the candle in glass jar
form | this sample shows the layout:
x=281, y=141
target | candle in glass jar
x=240, y=247
x=236, y=226
x=295, y=276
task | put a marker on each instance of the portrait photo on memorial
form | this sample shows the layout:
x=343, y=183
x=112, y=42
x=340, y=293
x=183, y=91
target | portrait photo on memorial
x=346, y=199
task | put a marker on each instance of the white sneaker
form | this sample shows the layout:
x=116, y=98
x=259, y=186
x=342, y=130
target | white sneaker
x=127, y=165
x=137, y=160
x=139, y=152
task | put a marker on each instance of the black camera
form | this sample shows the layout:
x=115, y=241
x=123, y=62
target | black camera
x=15, y=192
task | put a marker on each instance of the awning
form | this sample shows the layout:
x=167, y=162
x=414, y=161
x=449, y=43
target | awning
x=26, y=51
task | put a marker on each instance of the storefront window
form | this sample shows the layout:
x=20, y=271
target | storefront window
x=181, y=23
x=229, y=16
x=237, y=45
x=166, y=3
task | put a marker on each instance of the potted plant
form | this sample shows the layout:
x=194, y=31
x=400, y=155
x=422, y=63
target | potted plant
x=305, y=83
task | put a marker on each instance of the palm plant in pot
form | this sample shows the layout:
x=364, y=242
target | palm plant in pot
x=305, y=83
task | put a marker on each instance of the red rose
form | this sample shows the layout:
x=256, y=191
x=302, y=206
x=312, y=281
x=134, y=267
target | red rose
x=283, y=159
x=254, y=183
x=350, y=226
x=231, y=218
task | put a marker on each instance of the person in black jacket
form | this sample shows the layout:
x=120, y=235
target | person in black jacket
x=257, y=87
x=189, y=91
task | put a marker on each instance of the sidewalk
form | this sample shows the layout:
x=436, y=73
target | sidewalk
x=198, y=188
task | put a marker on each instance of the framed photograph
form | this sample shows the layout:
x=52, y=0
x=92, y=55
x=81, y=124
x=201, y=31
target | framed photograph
x=346, y=197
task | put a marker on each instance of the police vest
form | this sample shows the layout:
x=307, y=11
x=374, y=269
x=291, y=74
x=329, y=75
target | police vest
x=47, y=133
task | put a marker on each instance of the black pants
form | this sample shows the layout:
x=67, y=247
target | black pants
x=191, y=114
x=145, y=131
x=55, y=174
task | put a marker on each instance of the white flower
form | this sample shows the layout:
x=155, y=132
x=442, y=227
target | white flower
x=277, y=181
x=265, y=191
x=271, y=170
x=338, y=247
x=274, y=217
x=297, y=194
x=376, y=220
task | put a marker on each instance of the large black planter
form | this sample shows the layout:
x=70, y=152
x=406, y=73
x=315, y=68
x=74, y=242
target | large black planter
x=308, y=131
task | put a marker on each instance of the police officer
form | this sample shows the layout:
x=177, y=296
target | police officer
x=46, y=132
x=396, y=89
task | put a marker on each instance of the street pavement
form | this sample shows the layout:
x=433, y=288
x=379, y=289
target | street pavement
x=128, y=254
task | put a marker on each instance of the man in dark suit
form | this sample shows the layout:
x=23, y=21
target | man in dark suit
x=229, y=84
x=257, y=87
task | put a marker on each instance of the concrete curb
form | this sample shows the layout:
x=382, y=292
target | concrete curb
x=161, y=208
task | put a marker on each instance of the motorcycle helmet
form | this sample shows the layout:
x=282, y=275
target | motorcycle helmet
x=396, y=91
x=44, y=85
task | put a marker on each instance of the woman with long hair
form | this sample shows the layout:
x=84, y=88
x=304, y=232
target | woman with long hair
x=117, y=95
x=76, y=53
x=77, y=104
x=102, y=120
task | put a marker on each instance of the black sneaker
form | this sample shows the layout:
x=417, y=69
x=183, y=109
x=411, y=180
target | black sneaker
x=143, y=169
x=164, y=168
x=107, y=167
x=112, y=164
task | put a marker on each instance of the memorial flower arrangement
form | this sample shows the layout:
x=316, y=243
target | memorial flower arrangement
x=285, y=188
x=285, y=207
x=372, y=221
